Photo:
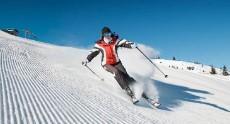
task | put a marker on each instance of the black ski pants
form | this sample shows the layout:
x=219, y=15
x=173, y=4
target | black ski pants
x=120, y=74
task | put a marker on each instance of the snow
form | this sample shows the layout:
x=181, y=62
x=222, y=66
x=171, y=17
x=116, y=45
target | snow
x=46, y=84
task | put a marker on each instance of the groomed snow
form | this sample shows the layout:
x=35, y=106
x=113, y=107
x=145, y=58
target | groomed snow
x=46, y=84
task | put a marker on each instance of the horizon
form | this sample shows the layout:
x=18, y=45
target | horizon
x=192, y=30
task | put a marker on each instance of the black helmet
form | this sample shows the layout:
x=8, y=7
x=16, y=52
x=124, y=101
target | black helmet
x=105, y=30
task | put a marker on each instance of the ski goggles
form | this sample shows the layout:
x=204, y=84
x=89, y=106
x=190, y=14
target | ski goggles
x=108, y=34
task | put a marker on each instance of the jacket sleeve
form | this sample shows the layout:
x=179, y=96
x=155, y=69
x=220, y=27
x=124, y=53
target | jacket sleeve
x=124, y=43
x=93, y=53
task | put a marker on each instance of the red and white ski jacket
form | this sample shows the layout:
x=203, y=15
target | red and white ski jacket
x=108, y=50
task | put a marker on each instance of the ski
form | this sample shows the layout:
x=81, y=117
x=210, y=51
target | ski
x=153, y=103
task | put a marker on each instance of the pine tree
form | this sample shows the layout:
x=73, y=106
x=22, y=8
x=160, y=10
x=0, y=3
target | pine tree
x=174, y=58
x=213, y=70
x=225, y=71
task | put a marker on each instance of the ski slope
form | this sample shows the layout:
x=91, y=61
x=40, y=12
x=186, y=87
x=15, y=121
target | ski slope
x=46, y=84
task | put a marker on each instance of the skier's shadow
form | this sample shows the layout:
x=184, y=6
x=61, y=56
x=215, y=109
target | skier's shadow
x=171, y=96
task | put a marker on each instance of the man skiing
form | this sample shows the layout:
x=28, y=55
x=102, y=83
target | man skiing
x=108, y=45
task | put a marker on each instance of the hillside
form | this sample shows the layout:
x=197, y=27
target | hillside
x=46, y=84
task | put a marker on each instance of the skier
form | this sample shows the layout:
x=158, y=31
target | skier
x=108, y=45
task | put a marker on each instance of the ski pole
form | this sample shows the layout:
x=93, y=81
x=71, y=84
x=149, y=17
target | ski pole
x=152, y=63
x=94, y=72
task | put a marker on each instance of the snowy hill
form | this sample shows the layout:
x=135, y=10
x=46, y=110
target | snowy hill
x=46, y=84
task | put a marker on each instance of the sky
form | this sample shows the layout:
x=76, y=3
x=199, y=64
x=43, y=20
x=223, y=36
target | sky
x=191, y=30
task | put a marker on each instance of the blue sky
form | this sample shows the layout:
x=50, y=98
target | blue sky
x=193, y=30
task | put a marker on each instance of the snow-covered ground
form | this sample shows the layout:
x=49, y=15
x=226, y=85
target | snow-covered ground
x=46, y=84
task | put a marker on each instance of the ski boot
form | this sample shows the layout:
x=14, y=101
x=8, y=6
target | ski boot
x=131, y=94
